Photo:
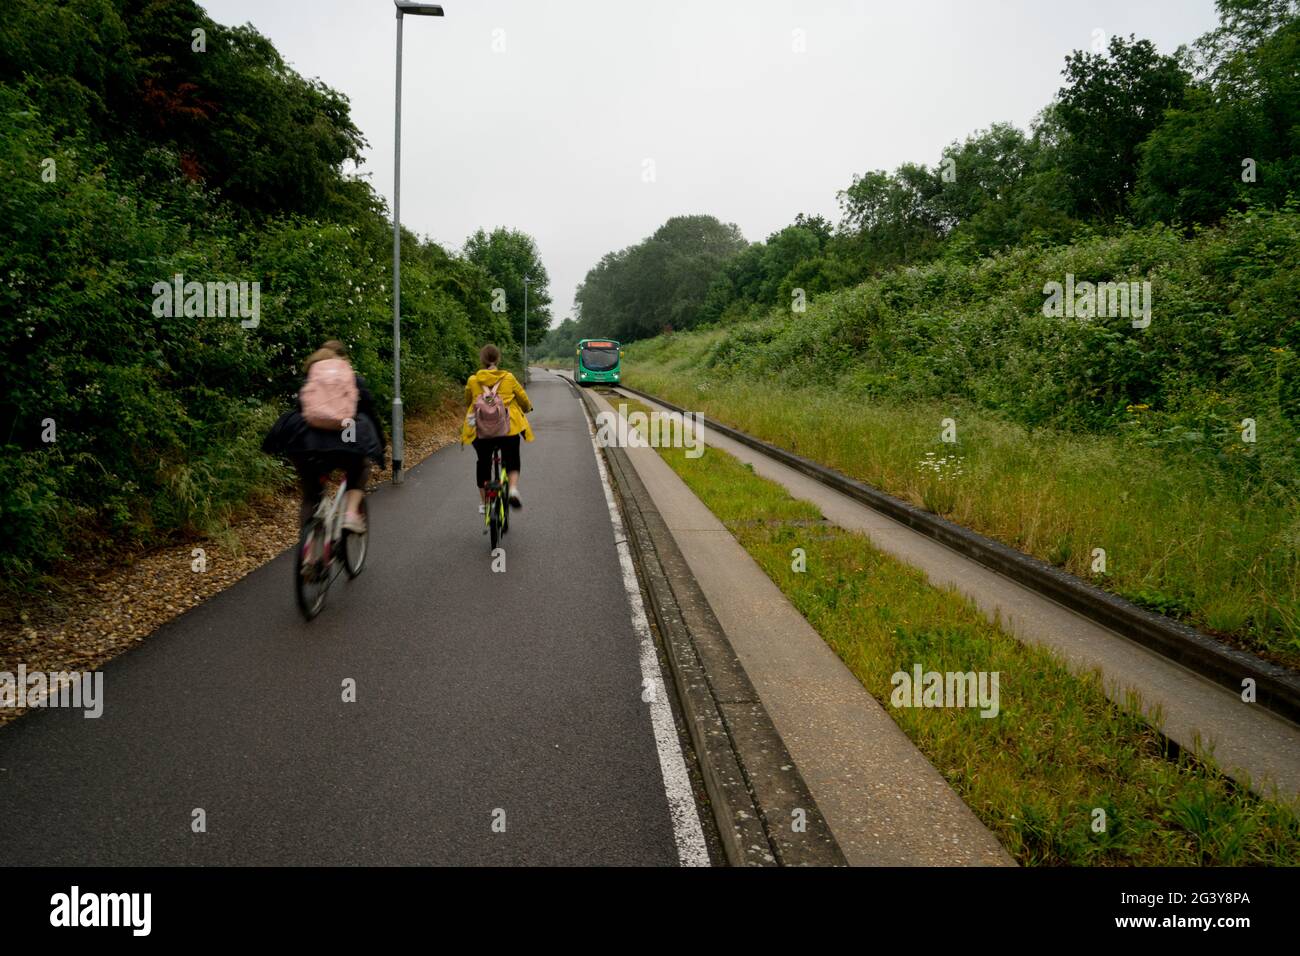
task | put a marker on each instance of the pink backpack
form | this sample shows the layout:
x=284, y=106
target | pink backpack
x=329, y=395
x=491, y=418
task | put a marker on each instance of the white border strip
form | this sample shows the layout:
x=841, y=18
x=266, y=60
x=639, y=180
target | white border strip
x=689, y=836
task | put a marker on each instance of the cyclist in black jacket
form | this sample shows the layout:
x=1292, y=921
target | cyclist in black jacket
x=316, y=452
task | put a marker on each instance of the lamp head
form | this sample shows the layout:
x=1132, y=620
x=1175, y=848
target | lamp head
x=417, y=9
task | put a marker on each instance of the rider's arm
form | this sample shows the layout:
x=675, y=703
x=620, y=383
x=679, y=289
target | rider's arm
x=521, y=397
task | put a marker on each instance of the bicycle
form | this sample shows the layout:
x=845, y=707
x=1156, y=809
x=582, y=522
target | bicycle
x=322, y=541
x=496, y=514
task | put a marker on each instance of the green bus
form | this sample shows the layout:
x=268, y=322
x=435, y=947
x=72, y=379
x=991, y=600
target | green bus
x=596, y=360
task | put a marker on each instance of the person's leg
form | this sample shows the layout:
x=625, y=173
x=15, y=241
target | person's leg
x=482, y=467
x=355, y=468
x=309, y=482
x=510, y=462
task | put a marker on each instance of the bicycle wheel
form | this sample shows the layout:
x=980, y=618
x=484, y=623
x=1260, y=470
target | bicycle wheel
x=354, y=545
x=494, y=519
x=311, y=573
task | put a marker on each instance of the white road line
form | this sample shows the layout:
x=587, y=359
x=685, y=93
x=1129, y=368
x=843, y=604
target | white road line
x=689, y=836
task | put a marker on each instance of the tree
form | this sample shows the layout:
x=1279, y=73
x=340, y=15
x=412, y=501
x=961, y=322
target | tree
x=1006, y=187
x=508, y=256
x=890, y=218
x=818, y=225
x=1109, y=106
x=1234, y=139
x=1243, y=26
x=661, y=282
x=984, y=169
x=561, y=340
x=782, y=254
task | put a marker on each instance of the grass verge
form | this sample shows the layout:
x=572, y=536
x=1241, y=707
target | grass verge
x=1057, y=751
x=1177, y=539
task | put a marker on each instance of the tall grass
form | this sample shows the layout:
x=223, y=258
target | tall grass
x=1178, y=537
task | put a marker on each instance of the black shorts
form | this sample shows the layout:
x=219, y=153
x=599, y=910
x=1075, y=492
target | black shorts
x=509, y=446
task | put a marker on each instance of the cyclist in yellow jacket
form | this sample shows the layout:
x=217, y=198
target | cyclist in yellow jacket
x=512, y=394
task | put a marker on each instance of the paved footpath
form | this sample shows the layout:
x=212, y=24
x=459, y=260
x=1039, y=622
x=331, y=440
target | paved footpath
x=476, y=692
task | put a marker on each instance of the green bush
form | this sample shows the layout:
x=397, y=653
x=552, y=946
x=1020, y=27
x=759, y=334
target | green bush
x=1223, y=344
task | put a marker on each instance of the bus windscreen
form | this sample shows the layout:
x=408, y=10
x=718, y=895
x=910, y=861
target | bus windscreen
x=599, y=359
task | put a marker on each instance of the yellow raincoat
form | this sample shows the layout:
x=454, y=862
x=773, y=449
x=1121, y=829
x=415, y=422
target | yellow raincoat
x=510, y=392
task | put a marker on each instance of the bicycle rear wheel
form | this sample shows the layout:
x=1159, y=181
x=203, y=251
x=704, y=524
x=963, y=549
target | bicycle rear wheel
x=355, y=545
x=495, y=499
x=494, y=520
x=311, y=573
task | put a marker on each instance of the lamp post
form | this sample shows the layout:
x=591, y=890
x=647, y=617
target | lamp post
x=420, y=10
x=526, y=281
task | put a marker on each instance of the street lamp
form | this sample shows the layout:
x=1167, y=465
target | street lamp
x=526, y=281
x=420, y=10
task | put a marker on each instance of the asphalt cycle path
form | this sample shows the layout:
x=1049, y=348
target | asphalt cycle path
x=500, y=717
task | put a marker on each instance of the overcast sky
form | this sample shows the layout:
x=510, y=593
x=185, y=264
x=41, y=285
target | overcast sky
x=544, y=114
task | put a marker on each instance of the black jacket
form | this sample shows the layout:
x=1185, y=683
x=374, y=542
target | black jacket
x=292, y=436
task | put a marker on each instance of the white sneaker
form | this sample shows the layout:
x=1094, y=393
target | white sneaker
x=354, y=523
x=482, y=509
x=514, y=499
